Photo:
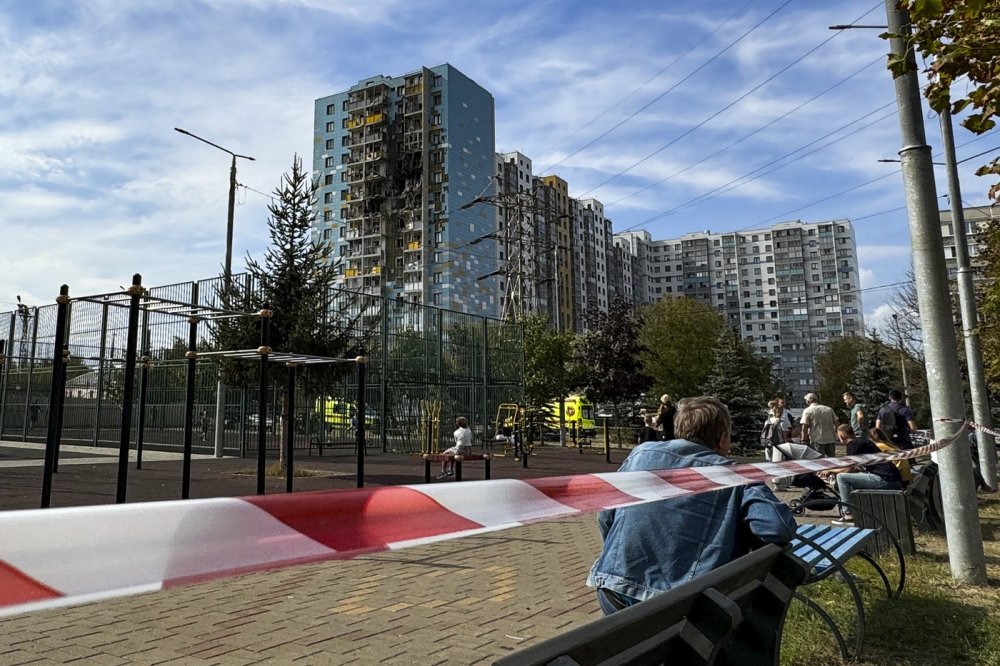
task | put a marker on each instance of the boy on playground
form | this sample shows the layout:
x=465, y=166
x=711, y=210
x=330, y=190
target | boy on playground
x=463, y=446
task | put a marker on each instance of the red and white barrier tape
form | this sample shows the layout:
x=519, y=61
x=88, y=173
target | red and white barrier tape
x=972, y=426
x=55, y=557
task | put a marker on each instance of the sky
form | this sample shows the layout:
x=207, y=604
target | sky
x=684, y=116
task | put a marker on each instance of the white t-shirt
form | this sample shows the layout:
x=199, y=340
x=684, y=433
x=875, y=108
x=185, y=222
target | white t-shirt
x=463, y=437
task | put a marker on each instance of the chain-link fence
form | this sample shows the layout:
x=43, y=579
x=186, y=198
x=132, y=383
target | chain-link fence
x=416, y=354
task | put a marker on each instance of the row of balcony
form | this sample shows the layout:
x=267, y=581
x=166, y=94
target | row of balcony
x=355, y=104
x=361, y=121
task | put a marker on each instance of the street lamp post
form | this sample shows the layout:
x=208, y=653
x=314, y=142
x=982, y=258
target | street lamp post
x=227, y=283
x=902, y=358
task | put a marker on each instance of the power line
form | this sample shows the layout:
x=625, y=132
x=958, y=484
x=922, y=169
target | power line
x=746, y=178
x=670, y=89
x=722, y=110
x=660, y=73
x=749, y=135
x=819, y=201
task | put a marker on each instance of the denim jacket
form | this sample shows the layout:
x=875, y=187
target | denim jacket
x=650, y=548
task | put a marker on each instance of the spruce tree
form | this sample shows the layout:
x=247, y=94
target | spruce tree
x=295, y=281
x=735, y=381
x=872, y=376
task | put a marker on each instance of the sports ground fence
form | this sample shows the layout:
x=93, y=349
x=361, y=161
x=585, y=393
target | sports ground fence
x=422, y=360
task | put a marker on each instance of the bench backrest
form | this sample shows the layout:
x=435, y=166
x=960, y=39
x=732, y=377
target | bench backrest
x=731, y=615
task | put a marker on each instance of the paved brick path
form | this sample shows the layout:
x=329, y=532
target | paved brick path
x=466, y=601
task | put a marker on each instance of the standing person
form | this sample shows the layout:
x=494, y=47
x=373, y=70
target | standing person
x=896, y=420
x=772, y=435
x=880, y=475
x=858, y=414
x=648, y=433
x=665, y=417
x=654, y=547
x=204, y=425
x=463, y=446
x=786, y=417
x=819, y=426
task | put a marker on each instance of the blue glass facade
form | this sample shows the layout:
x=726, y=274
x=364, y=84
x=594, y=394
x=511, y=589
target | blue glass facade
x=397, y=157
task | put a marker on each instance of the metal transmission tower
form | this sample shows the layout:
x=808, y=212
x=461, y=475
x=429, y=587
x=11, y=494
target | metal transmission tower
x=525, y=242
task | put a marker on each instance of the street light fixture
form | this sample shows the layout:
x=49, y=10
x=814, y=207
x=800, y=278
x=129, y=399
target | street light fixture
x=228, y=266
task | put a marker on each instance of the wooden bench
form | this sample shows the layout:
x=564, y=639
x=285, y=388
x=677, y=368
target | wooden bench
x=458, y=460
x=825, y=550
x=732, y=615
x=899, y=510
x=320, y=443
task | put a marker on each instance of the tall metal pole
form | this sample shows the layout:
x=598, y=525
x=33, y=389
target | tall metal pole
x=290, y=432
x=192, y=360
x=902, y=359
x=961, y=513
x=263, y=351
x=361, y=361
x=227, y=272
x=562, y=398
x=227, y=277
x=967, y=302
x=52, y=437
x=131, y=353
x=6, y=374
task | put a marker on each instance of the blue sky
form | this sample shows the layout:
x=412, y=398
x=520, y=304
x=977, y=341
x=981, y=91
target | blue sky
x=96, y=184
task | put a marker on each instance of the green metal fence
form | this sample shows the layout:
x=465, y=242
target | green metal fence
x=416, y=353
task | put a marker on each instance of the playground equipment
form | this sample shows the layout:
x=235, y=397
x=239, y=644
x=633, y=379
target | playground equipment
x=430, y=426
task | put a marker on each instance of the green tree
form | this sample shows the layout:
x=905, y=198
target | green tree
x=873, y=375
x=681, y=338
x=295, y=282
x=607, y=357
x=835, y=367
x=736, y=380
x=547, y=357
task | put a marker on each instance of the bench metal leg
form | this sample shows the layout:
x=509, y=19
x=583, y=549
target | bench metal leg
x=823, y=615
x=848, y=579
x=487, y=461
x=458, y=470
x=885, y=579
x=427, y=471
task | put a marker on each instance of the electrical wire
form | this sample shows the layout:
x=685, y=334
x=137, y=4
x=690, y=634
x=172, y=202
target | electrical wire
x=749, y=135
x=722, y=110
x=705, y=64
x=660, y=73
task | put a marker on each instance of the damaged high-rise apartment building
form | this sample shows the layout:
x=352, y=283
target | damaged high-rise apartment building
x=397, y=157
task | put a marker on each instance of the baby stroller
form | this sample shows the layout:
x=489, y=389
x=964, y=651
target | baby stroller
x=815, y=491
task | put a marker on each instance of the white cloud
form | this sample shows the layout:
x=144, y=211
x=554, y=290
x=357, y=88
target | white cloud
x=96, y=184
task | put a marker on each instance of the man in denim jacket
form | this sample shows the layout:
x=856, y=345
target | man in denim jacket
x=653, y=547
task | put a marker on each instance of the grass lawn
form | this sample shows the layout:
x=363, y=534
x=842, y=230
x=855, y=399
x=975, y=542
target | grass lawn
x=936, y=621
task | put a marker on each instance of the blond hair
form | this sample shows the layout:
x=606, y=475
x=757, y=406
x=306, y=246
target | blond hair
x=704, y=420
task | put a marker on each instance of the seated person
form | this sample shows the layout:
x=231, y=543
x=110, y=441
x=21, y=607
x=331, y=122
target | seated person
x=881, y=440
x=881, y=475
x=653, y=547
x=463, y=446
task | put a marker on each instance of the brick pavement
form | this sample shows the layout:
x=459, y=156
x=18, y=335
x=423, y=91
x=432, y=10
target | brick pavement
x=466, y=601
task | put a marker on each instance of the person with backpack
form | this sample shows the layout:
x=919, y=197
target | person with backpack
x=895, y=419
x=774, y=433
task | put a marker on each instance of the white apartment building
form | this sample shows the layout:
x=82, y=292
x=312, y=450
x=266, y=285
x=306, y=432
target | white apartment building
x=789, y=289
